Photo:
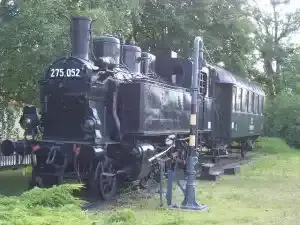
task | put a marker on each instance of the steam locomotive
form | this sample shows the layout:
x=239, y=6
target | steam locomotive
x=111, y=114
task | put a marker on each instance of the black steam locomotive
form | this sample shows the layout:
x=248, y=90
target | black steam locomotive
x=112, y=113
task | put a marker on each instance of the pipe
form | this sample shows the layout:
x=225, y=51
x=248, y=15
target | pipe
x=197, y=66
x=189, y=201
x=115, y=114
x=80, y=36
x=161, y=153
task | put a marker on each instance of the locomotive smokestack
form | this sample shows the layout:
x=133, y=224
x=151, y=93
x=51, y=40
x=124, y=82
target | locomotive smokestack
x=80, y=36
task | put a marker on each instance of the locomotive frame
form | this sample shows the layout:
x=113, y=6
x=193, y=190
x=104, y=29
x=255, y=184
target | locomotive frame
x=94, y=131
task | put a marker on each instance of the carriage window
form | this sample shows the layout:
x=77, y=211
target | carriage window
x=238, y=99
x=247, y=101
x=210, y=82
x=255, y=103
x=258, y=104
x=233, y=98
x=250, y=102
x=262, y=102
x=244, y=100
x=203, y=83
x=241, y=99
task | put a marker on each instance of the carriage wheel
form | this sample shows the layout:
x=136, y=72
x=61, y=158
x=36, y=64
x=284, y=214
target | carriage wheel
x=152, y=180
x=146, y=182
x=251, y=145
x=243, y=149
x=105, y=180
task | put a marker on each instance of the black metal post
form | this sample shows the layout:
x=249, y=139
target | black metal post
x=189, y=201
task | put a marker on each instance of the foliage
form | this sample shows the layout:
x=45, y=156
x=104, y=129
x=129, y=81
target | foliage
x=272, y=31
x=290, y=76
x=8, y=119
x=122, y=217
x=223, y=24
x=50, y=206
x=42, y=29
x=43, y=34
x=282, y=118
x=53, y=198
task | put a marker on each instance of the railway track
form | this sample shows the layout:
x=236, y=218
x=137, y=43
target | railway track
x=131, y=195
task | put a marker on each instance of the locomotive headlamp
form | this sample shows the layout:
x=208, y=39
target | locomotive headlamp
x=29, y=120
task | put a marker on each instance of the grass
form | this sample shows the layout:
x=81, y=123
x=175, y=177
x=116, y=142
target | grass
x=267, y=191
x=12, y=182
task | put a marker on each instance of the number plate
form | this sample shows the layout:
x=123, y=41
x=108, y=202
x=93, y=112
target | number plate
x=64, y=73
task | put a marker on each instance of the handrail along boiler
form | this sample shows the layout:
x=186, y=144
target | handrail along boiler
x=110, y=113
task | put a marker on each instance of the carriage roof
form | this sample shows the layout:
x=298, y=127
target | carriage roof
x=226, y=77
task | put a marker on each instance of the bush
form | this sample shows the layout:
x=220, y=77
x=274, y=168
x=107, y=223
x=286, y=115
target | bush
x=44, y=206
x=282, y=118
x=52, y=197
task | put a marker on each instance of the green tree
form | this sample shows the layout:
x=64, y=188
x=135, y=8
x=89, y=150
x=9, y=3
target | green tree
x=271, y=34
x=39, y=34
x=224, y=25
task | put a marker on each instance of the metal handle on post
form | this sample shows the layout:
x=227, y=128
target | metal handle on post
x=197, y=57
x=197, y=54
